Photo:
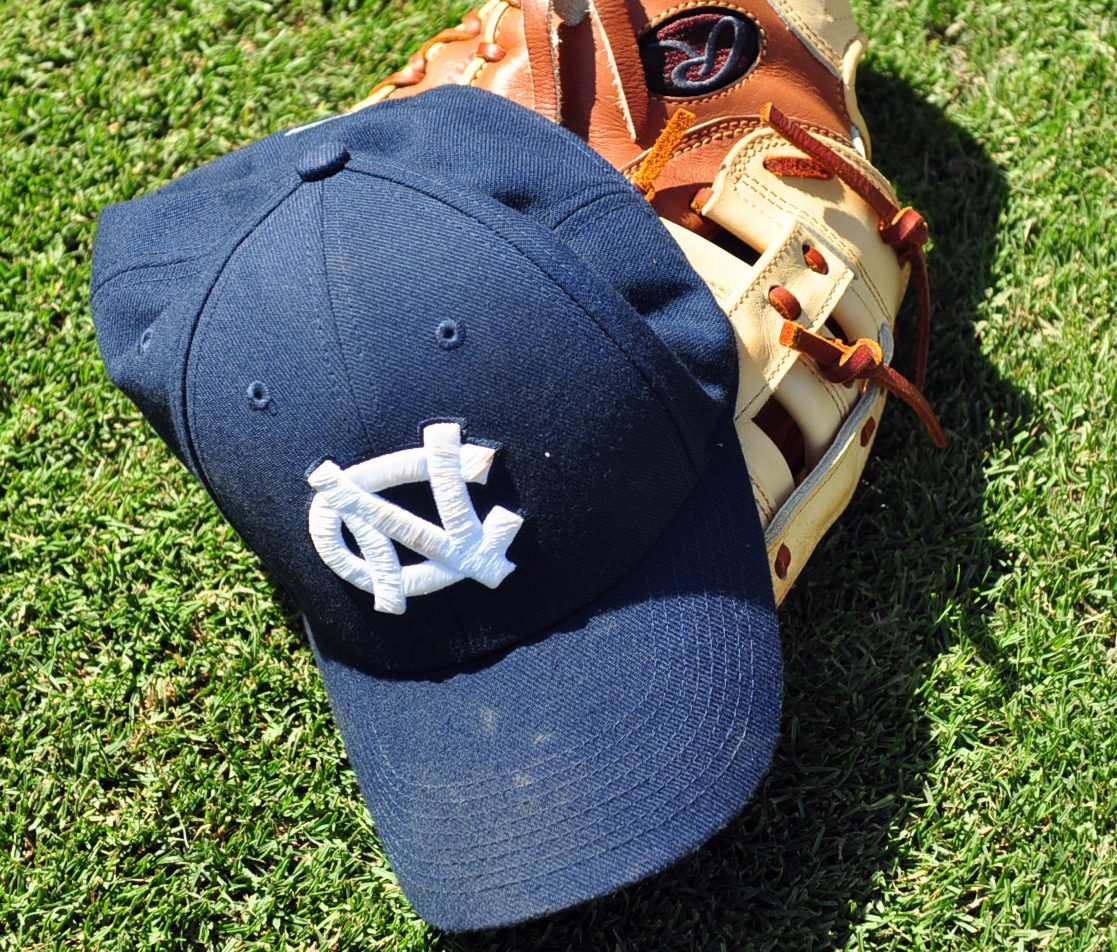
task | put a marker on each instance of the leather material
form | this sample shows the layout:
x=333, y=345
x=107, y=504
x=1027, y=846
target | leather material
x=540, y=43
x=772, y=482
x=602, y=93
x=825, y=27
x=755, y=205
x=816, y=504
x=861, y=290
x=584, y=69
x=849, y=81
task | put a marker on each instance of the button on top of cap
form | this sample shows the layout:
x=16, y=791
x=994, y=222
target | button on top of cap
x=322, y=161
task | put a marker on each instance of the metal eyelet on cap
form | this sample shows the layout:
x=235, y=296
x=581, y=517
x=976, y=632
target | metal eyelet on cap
x=258, y=396
x=450, y=333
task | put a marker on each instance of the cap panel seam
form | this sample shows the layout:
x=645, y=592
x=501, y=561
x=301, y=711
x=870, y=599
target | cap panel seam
x=161, y=261
x=661, y=398
x=625, y=194
x=145, y=266
x=592, y=212
x=184, y=387
x=321, y=200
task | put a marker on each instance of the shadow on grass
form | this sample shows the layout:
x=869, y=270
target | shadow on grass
x=900, y=576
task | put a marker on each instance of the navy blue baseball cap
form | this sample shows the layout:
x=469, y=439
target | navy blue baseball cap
x=446, y=373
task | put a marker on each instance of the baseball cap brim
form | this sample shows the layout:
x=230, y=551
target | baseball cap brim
x=591, y=757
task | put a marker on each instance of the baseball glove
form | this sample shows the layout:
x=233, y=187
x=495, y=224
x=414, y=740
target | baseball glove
x=739, y=121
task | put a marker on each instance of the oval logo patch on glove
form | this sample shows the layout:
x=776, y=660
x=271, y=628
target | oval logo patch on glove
x=699, y=51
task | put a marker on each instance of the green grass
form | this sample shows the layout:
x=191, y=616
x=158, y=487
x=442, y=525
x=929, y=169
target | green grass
x=169, y=771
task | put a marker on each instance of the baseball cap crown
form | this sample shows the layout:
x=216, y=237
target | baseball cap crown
x=290, y=305
x=446, y=319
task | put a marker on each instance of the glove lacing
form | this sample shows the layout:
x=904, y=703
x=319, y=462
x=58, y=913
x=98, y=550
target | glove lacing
x=902, y=229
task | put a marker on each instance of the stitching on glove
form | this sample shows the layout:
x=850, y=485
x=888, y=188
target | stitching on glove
x=415, y=71
x=763, y=497
x=746, y=185
x=861, y=360
x=746, y=303
x=902, y=229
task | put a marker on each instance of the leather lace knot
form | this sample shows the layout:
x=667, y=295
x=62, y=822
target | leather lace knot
x=907, y=233
x=903, y=229
x=863, y=359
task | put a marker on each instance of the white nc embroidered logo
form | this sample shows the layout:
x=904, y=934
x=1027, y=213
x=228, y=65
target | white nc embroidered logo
x=463, y=547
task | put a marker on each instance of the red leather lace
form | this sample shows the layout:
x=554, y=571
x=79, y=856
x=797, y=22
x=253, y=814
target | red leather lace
x=840, y=362
x=416, y=67
x=903, y=229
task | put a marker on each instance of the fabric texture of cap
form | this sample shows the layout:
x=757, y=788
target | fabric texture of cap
x=445, y=372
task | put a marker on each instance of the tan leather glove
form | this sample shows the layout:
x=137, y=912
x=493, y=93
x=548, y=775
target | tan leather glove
x=739, y=122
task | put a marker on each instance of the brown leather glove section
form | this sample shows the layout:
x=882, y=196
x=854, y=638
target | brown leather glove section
x=614, y=72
